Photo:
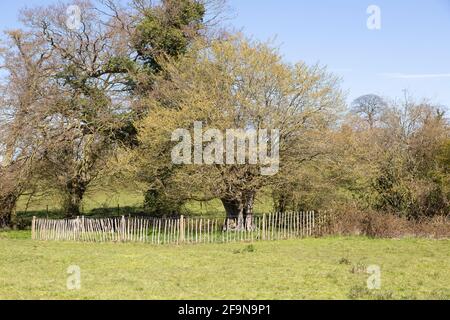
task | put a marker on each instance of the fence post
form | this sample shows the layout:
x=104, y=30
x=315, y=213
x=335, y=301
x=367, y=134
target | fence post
x=181, y=229
x=83, y=233
x=314, y=223
x=122, y=228
x=264, y=227
x=33, y=227
x=77, y=229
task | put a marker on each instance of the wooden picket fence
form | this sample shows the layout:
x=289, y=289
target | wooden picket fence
x=181, y=230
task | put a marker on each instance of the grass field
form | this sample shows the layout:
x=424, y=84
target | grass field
x=103, y=203
x=327, y=268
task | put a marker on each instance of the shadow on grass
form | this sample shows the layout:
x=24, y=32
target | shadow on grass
x=23, y=219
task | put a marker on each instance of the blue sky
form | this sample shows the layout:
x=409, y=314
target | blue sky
x=411, y=50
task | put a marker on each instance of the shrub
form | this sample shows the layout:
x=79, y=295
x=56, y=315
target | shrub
x=387, y=225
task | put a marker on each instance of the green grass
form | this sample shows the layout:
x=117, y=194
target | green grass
x=101, y=203
x=328, y=268
x=92, y=200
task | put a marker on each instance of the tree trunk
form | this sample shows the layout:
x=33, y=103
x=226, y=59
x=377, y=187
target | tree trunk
x=249, y=201
x=239, y=212
x=7, y=206
x=74, y=197
x=280, y=201
x=233, y=209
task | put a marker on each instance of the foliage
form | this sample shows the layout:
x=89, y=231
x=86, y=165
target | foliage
x=100, y=103
x=70, y=94
x=233, y=84
x=167, y=29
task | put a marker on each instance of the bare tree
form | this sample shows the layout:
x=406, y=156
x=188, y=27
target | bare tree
x=64, y=96
x=369, y=107
x=24, y=94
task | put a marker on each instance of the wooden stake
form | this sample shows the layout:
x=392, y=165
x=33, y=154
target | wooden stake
x=33, y=228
